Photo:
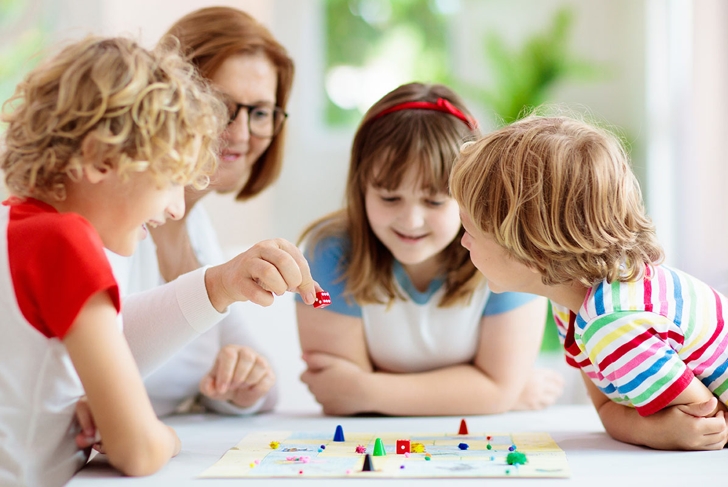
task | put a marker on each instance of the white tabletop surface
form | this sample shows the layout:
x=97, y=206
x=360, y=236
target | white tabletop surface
x=594, y=458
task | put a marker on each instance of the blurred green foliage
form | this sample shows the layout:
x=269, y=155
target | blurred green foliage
x=524, y=78
x=21, y=39
x=358, y=32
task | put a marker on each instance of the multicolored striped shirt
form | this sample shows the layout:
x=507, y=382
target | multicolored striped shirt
x=641, y=342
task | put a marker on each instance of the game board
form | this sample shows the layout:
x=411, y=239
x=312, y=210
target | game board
x=301, y=454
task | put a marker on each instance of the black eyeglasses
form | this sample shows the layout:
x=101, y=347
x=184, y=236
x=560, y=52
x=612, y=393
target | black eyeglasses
x=263, y=120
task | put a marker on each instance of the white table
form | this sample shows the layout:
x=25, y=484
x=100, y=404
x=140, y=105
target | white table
x=594, y=458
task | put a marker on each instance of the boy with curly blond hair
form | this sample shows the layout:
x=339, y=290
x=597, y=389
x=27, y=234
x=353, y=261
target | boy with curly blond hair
x=100, y=141
x=550, y=206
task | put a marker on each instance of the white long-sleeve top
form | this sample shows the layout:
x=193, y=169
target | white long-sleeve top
x=170, y=326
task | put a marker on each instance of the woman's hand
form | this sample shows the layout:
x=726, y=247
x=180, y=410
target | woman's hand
x=240, y=375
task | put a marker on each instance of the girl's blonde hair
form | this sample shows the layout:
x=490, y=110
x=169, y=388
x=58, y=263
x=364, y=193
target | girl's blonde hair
x=559, y=195
x=207, y=38
x=142, y=110
x=385, y=148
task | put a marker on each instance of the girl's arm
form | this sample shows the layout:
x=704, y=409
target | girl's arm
x=508, y=347
x=673, y=428
x=322, y=331
x=136, y=442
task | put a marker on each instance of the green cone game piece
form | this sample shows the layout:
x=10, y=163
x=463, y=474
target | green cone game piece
x=379, y=448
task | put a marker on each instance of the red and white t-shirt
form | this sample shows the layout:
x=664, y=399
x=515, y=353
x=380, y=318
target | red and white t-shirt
x=52, y=263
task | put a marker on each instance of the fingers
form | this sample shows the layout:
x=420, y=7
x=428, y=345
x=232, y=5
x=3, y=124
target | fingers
x=280, y=266
x=701, y=409
x=305, y=286
x=89, y=435
x=318, y=361
x=270, y=267
x=716, y=436
x=237, y=367
x=85, y=419
x=224, y=369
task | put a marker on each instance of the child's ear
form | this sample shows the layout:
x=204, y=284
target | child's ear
x=95, y=164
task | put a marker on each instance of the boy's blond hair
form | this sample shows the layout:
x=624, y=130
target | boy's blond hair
x=559, y=195
x=139, y=109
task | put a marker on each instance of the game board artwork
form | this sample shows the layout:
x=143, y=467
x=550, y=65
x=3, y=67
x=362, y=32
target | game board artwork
x=432, y=455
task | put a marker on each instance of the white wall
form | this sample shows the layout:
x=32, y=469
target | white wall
x=702, y=194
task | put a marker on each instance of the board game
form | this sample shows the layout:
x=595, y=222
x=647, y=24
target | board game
x=392, y=455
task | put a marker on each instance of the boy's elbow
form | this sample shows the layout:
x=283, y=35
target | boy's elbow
x=143, y=458
x=138, y=464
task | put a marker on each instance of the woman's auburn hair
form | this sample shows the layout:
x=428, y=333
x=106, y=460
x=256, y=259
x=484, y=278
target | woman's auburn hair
x=140, y=109
x=208, y=37
x=559, y=195
x=384, y=149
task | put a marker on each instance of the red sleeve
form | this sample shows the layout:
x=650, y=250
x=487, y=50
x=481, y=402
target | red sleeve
x=57, y=263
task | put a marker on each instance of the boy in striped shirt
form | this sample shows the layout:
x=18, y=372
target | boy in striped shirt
x=550, y=206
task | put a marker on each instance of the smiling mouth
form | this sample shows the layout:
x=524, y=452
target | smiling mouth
x=230, y=156
x=409, y=238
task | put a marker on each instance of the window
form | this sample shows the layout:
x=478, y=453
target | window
x=373, y=46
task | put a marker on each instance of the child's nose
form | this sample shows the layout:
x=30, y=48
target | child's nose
x=412, y=217
x=176, y=208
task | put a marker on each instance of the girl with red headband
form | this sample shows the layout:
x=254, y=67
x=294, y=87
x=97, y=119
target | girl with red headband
x=413, y=328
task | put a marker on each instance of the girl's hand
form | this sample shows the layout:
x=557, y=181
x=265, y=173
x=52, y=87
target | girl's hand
x=240, y=375
x=337, y=384
x=543, y=388
x=88, y=436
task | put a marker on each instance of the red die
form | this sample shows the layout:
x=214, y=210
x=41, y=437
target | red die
x=403, y=446
x=323, y=299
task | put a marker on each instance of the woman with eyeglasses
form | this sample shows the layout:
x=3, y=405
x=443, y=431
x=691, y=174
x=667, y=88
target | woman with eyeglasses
x=221, y=368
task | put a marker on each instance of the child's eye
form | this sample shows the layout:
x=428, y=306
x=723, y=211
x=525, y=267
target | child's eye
x=389, y=199
x=435, y=203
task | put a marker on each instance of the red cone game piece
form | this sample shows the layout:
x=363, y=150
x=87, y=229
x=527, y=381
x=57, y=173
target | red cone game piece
x=463, y=428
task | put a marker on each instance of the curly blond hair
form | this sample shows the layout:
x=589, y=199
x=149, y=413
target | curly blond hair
x=558, y=194
x=141, y=110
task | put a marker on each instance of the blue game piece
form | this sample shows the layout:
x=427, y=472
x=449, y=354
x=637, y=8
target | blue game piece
x=339, y=435
x=512, y=448
x=463, y=446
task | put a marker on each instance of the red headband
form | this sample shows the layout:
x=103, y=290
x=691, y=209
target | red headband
x=442, y=105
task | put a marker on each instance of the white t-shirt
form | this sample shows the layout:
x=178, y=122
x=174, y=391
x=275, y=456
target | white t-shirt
x=175, y=381
x=412, y=334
